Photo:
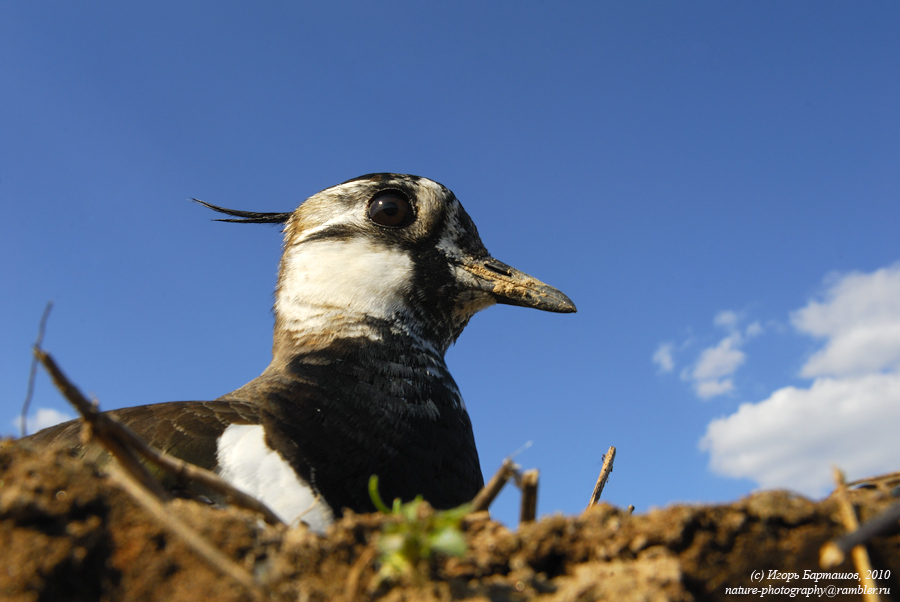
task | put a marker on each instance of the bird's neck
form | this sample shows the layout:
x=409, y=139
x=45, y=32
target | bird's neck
x=343, y=319
x=359, y=357
x=318, y=327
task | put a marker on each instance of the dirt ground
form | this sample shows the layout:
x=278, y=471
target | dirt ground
x=67, y=533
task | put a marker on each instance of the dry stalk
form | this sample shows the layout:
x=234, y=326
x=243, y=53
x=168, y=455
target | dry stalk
x=831, y=555
x=527, y=483
x=121, y=442
x=124, y=444
x=42, y=326
x=216, y=559
x=197, y=474
x=878, y=525
x=529, y=486
x=351, y=586
x=607, y=467
x=98, y=425
x=884, y=481
x=489, y=492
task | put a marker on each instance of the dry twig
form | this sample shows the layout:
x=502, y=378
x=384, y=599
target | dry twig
x=191, y=472
x=490, y=491
x=101, y=426
x=216, y=559
x=529, y=485
x=607, y=467
x=830, y=555
x=124, y=444
x=351, y=585
x=23, y=428
x=837, y=548
x=885, y=481
x=134, y=478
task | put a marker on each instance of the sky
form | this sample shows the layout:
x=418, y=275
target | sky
x=716, y=185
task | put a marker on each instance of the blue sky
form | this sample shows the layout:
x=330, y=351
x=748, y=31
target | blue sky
x=715, y=185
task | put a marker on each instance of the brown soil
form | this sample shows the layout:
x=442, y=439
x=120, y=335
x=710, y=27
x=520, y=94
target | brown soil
x=68, y=533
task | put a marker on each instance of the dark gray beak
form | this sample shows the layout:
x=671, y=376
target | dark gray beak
x=512, y=287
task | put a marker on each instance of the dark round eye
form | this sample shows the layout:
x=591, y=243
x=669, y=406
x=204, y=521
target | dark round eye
x=391, y=208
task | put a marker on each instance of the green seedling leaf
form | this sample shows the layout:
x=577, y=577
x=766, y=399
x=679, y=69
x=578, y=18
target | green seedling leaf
x=413, y=537
x=375, y=496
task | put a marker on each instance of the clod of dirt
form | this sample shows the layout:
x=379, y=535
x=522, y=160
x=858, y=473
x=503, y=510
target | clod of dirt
x=68, y=533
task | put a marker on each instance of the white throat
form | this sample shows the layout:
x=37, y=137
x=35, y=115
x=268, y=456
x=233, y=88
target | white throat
x=328, y=283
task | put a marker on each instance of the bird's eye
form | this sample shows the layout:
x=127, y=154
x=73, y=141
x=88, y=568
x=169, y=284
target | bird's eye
x=391, y=208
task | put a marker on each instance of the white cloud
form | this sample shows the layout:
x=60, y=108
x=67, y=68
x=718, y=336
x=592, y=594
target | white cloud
x=727, y=319
x=849, y=413
x=662, y=357
x=712, y=372
x=793, y=438
x=752, y=330
x=710, y=388
x=721, y=360
x=860, y=317
x=43, y=418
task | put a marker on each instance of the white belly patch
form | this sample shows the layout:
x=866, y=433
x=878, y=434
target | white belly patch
x=249, y=464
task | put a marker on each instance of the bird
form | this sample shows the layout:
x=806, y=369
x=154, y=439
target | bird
x=378, y=277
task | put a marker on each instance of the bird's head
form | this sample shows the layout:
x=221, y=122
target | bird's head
x=395, y=250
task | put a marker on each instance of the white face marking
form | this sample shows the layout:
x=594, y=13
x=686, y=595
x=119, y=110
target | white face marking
x=327, y=287
x=354, y=277
x=249, y=464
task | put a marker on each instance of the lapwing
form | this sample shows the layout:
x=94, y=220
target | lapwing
x=378, y=277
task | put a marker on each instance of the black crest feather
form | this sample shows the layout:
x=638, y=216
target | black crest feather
x=247, y=217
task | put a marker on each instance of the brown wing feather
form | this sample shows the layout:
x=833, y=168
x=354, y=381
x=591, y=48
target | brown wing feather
x=186, y=429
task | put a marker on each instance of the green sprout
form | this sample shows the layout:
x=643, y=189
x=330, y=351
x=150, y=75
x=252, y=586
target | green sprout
x=407, y=543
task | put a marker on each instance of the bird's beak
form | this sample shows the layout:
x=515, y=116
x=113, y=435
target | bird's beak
x=512, y=287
